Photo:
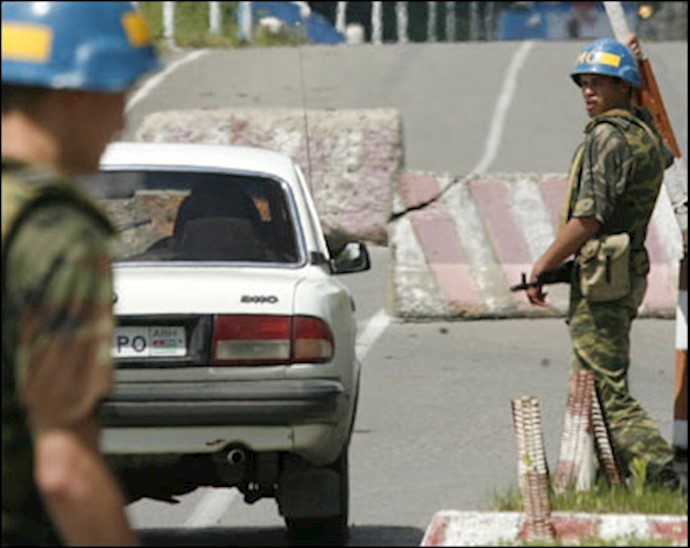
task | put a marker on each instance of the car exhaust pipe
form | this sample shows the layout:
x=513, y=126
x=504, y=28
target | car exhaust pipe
x=236, y=456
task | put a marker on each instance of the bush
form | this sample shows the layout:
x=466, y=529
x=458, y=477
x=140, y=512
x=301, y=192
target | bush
x=191, y=27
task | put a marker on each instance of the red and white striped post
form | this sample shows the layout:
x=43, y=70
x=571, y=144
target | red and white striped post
x=680, y=404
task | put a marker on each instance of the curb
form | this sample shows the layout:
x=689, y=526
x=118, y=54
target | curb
x=454, y=528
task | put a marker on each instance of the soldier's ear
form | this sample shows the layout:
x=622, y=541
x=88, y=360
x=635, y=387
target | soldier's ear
x=626, y=87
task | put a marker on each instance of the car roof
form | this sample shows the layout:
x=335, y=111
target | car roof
x=230, y=157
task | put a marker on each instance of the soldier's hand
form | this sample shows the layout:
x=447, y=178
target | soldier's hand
x=634, y=44
x=536, y=295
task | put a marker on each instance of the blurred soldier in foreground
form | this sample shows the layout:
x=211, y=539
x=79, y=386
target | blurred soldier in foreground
x=66, y=67
x=614, y=181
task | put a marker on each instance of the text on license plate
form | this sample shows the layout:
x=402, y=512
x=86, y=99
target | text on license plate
x=152, y=341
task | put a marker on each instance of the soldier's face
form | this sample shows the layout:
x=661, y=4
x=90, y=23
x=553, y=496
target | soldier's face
x=602, y=93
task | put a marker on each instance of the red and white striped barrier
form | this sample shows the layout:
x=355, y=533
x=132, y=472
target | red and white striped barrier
x=464, y=241
x=680, y=406
x=454, y=528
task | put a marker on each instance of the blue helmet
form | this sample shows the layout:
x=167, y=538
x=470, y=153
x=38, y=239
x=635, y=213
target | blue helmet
x=93, y=46
x=610, y=58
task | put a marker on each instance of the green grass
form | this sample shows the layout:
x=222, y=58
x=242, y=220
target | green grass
x=638, y=497
x=192, y=27
x=601, y=499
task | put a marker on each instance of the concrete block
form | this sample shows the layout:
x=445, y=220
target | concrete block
x=455, y=528
x=457, y=244
x=350, y=157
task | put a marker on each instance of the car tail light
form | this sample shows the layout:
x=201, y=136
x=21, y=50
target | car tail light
x=270, y=340
x=312, y=340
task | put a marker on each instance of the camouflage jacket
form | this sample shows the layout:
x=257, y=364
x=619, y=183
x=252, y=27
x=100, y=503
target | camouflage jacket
x=620, y=176
x=56, y=329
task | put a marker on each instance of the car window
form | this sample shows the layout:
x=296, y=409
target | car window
x=182, y=216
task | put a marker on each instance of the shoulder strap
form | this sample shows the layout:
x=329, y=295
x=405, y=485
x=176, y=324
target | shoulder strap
x=25, y=191
x=573, y=176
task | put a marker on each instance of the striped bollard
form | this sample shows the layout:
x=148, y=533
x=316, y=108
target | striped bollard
x=680, y=404
x=576, y=460
x=602, y=442
x=533, y=474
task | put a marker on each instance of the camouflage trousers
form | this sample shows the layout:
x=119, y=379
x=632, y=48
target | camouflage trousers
x=600, y=336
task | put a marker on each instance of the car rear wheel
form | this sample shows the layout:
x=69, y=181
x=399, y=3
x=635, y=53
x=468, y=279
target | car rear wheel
x=329, y=530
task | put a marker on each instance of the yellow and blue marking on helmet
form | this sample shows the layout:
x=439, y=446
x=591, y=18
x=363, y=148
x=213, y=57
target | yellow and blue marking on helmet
x=609, y=58
x=97, y=46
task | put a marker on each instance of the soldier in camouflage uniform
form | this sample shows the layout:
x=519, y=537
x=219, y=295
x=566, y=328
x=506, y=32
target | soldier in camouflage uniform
x=614, y=181
x=65, y=69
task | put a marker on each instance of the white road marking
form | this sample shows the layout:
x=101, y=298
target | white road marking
x=502, y=105
x=217, y=501
x=371, y=333
x=212, y=506
x=142, y=92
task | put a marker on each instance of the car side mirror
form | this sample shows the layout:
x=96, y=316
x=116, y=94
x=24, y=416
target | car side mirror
x=352, y=257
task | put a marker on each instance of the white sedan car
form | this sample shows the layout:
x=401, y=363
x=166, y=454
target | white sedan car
x=235, y=340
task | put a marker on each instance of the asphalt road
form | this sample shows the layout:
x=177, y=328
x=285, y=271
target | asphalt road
x=434, y=429
x=448, y=95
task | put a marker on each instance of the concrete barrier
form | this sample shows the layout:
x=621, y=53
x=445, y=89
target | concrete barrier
x=464, y=241
x=350, y=157
x=455, y=257
x=454, y=528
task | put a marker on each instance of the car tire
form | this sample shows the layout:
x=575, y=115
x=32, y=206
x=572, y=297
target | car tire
x=330, y=530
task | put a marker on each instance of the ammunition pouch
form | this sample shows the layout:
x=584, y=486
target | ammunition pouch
x=604, y=267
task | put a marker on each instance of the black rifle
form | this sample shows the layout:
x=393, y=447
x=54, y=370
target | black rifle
x=560, y=274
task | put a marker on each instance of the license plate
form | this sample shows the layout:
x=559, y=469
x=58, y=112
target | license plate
x=152, y=341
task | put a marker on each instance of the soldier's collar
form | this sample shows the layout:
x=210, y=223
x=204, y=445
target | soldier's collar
x=608, y=115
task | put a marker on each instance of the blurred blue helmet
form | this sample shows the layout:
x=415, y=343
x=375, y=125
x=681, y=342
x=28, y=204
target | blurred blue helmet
x=93, y=46
x=610, y=58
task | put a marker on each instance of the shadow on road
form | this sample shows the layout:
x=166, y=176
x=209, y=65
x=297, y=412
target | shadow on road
x=367, y=535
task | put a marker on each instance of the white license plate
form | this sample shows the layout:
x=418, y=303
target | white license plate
x=153, y=341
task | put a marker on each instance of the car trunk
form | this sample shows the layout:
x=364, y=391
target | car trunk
x=166, y=314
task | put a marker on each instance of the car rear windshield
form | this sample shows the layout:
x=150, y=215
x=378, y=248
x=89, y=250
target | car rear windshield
x=183, y=216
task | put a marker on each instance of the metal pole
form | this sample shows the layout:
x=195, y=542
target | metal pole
x=431, y=22
x=488, y=20
x=244, y=14
x=401, y=16
x=450, y=21
x=474, y=20
x=214, y=17
x=340, y=9
x=376, y=26
x=169, y=23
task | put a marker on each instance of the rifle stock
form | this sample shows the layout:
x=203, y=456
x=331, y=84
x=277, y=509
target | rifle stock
x=650, y=97
x=560, y=274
